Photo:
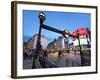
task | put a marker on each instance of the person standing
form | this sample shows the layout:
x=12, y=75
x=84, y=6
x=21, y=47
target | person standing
x=59, y=53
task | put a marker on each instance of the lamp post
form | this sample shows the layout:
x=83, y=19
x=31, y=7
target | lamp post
x=88, y=37
x=38, y=45
x=89, y=34
x=81, y=53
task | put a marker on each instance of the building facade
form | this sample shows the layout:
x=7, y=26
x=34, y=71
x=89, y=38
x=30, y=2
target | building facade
x=57, y=43
x=83, y=41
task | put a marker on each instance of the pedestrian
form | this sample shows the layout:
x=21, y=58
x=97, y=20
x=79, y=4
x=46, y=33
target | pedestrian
x=30, y=54
x=42, y=62
x=25, y=55
x=59, y=53
x=45, y=53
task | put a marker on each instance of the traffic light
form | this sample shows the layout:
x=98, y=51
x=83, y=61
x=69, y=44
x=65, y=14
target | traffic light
x=65, y=33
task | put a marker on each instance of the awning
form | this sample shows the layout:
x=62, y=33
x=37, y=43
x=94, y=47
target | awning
x=81, y=31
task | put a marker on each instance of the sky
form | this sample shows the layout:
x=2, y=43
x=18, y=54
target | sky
x=59, y=20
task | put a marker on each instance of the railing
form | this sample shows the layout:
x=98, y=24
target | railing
x=46, y=63
x=50, y=64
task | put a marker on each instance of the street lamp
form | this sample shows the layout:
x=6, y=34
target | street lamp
x=38, y=45
x=42, y=16
x=81, y=53
x=65, y=33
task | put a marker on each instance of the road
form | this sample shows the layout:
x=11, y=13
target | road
x=66, y=60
